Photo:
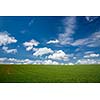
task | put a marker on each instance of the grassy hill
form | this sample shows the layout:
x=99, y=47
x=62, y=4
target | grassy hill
x=50, y=73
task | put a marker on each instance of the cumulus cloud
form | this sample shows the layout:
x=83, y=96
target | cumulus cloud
x=29, y=48
x=53, y=41
x=5, y=38
x=35, y=49
x=51, y=62
x=42, y=51
x=58, y=55
x=30, y=44
x=48, y=62
x=15, y=61
x=9, y=50
x=26, y=61
x=70, y=25
x=88, y=61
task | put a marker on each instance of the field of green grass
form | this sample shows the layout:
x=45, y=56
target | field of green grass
x=50, y=73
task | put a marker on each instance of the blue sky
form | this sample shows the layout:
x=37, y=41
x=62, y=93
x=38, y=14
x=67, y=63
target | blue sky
x=50, y=39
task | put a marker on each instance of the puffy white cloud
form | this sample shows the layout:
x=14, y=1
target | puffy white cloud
x=58, y=55
x=5, y=38
x=70, y=25
x=35, y=49
x=16, y=61
x=9, y=50
x=47, y=61
x=51, y=62
x=42, y=51
x=53, y=41
x=29, y=45
x=12, y=59
x=29, y=48
x=26, y=61
x=38, y=62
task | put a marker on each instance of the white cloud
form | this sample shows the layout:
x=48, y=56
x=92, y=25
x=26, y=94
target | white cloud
x=91, y=18
x=89, y=52
x=74, y=57
x=87, y=61
x=70, y=63
x=80, y=42
x=51, y=62
x=35, y=49
x=93, y=55
x=12, y=59
x=91, y=41
x=2, y=59
x=53, y=41
x=29, y=45
x=42, y=51
x=38, y=62
x=69, y=24
x=58, y=55
x=94, y=40
x=26, y=61
x=9, y=50
x=17, y=61
x=29, y=48
x=5, y=38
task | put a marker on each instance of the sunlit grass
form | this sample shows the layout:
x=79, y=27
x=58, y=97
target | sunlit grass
x=50, y=73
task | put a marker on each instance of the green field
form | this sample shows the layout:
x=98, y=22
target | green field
x=50, y=73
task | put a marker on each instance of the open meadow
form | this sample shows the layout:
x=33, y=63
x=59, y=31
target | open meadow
x=50, y=73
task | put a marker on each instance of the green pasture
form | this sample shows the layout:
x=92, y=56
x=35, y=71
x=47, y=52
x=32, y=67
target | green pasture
x=49, y=73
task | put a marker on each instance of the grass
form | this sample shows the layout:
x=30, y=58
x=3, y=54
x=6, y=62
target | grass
x=50, y=73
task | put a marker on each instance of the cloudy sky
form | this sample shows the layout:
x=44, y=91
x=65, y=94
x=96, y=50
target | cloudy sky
x=50, y=40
